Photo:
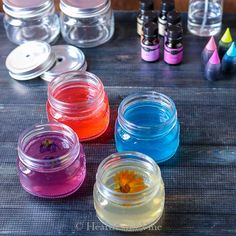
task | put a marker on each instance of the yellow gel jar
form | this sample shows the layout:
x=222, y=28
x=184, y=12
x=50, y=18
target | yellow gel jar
x=129, y=192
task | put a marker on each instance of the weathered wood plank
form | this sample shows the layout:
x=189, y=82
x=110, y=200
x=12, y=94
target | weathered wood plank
x=200, y=180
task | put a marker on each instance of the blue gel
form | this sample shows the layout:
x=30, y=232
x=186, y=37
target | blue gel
x=148, y=123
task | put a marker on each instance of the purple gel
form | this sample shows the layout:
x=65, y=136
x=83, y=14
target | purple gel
x=52, y=165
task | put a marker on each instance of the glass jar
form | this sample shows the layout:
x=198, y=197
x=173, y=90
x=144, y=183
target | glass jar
x=147, y=123
x=129, y=192
x=78, y=99
x=31, y=20
x=86, y=23
x=205, y=17
x=51, y=161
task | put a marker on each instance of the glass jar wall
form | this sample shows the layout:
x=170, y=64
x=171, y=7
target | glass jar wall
x=78, y=99
x=86, y=23
x=129, y=192
x=31, y=20
x=51, y=161
x=147, y=123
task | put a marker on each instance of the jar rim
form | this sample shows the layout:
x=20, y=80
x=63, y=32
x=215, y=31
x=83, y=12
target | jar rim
x=39, y=165
x=149, y=96
x=27, y=12
x=119, y=197
x=83, y=11
x=77, y=77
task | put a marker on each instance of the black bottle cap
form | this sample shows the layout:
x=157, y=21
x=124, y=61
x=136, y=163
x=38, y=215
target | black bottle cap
x=173, y=17
x=175, y=32
x=167, y=5
x=150, y=16
x=150, y=29
x=146, y=5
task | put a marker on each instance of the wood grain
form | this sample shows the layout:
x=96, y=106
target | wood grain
x=199, y=180
x=181, y=5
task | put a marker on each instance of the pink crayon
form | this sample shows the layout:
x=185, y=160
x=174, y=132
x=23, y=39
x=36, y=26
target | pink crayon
x=213, y=67
x=208, y=50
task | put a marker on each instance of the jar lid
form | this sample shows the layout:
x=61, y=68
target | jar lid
x=68, y=58
x=83, y=8
x=26, y=8
x=30, y=60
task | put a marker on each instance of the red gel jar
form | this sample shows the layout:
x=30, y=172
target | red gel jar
x=78, y=99
x=51, y=161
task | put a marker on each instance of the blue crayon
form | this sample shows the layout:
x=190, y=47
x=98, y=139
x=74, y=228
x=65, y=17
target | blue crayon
x=229, y=60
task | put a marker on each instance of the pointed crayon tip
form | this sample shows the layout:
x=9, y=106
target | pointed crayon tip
x=232, y=50
x=215, y=59
x=227, y=38
x=211, y=45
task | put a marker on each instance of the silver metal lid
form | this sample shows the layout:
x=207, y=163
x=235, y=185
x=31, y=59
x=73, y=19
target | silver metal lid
x=30, y=60
x=68, y=58
x=84, y=8
x=27, y=8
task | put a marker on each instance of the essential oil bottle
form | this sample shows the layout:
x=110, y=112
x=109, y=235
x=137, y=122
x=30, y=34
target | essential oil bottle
x=149, y=16
x=173, y=49
x=145, y=5
x=173, y=18
x=166, y=7
x=150, y=47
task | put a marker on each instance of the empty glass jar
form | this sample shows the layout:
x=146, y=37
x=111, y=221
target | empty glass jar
x=205, y=17
x=86, y=23
x=26, y=20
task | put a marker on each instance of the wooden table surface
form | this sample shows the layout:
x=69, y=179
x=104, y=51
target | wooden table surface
x=200, y=180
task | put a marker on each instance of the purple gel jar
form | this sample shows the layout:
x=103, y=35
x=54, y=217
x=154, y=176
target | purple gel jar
x=51, y=161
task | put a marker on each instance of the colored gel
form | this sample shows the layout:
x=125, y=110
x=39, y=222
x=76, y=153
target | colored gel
x=149, y=127
x=86, y=107
x=56, y=168
x=129, y=193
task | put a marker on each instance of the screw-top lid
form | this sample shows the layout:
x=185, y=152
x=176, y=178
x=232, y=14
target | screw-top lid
x=211, y=45
x=173, y=17
x=175, y=32
x=146, y=5
x=68, y=58
x=27, y=8
x=167, y=5
x=232, y=50
x=150, y=29
x=150, y=16
x=30, y=60
x=84, y=8
x=215, y=59
x=227, y=38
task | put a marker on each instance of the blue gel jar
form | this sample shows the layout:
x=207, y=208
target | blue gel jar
x=147, y=123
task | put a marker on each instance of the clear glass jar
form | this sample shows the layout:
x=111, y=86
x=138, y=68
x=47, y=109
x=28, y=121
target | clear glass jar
x=129, y=192
x=147, y=123
x=86, y=23
x=31, y=20
x=51, y=162
x=205, y=17
x=78, y=99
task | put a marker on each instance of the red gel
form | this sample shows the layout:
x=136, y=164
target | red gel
x=78, y=99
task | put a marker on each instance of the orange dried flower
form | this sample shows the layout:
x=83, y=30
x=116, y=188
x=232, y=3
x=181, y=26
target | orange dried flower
x=128, y=181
